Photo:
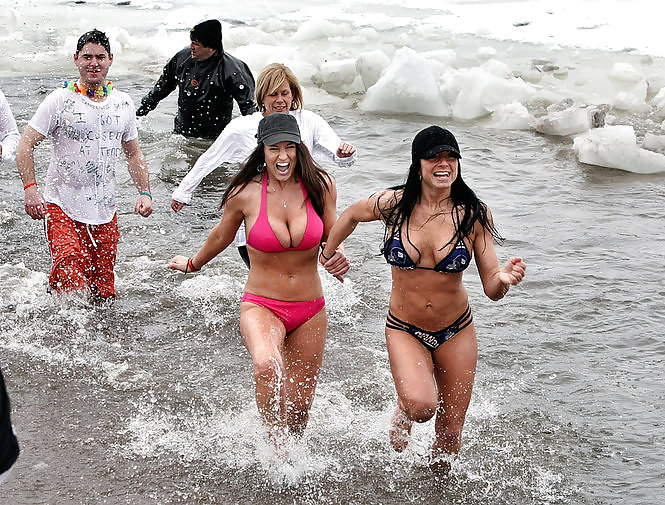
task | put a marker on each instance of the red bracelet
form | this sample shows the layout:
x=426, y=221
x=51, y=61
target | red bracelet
x=191, y=266
x=29, y=185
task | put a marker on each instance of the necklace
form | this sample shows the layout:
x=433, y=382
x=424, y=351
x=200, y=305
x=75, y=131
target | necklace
x=100, y=92
x=275, y=191
x=283, y=201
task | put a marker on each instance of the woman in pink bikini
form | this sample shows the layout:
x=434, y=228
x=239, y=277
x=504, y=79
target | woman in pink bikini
x=288, y=205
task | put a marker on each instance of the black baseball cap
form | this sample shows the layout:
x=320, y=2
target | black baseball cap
x=432, y=141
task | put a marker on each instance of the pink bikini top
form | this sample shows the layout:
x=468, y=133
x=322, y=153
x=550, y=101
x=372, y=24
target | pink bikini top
x=262, y=237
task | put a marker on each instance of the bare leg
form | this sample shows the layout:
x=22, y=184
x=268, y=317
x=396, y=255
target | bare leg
x=454, y=370
x=303, y=355
x=412, y=368
x=263, y=334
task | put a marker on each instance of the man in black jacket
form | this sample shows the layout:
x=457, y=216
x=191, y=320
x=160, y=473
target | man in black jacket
x=8, y=443
x=208, y=80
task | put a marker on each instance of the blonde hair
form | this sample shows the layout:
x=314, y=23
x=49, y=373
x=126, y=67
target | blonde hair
x=271, y=78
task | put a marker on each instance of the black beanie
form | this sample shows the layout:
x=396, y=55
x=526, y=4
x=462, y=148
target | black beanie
x=432, y=141
x=208, y=33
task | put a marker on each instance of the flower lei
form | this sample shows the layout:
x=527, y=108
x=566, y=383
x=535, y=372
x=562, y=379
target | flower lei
x=100, y=92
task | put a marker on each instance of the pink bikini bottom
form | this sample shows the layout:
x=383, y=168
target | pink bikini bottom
x=292, y=314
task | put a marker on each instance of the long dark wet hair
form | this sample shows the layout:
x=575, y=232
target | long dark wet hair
x=467, y=209
x=314, y=178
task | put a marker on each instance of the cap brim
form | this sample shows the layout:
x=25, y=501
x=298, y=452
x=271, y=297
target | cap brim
x=433, y=151
x=275, y=138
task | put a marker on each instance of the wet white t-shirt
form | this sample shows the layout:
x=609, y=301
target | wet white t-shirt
x=87, y=141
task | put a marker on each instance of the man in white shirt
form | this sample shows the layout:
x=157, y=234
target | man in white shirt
x=90, y=124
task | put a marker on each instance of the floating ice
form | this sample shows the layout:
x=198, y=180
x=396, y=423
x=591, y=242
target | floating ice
x=616, y=147
x=658, y=105
x=409, y=84
x=482, y=91
x=625, y=73
x=654, y=142
x=320, y=29
x=335, y=74
x=445, y=56
x=630, y=102
x=512, y=116
x=569, y=121
x=485, y=53
x=370, y=65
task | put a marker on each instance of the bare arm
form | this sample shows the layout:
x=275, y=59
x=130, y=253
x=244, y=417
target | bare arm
x=220, y=237
x=138, y=171
x=339, y=264
x=496, y=280
x=35, y=206
x=361, y=211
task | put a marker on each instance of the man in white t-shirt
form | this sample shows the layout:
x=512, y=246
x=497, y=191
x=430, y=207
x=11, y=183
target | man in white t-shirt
x=90, y=124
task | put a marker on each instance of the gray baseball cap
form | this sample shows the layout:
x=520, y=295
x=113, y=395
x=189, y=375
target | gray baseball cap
x=278, y=127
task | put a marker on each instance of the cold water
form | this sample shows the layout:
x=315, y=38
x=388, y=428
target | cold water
x=150, y=400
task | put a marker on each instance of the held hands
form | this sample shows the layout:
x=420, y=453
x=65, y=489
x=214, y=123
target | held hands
x=337, y=264
x=143, y=205
x=35, y=206
x=176, y=205
x=345, y=150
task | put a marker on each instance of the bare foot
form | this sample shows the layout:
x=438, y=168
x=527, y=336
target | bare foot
x=400, y=430
x=440, y=463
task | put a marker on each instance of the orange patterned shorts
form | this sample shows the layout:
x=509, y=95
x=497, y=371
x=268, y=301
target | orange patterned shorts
x=83, y=254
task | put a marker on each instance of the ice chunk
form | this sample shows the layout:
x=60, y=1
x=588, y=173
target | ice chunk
x=616, y=147
x=445, y=56
x=370, y=64
x=625, y=73
x=512, y=116
x=481, y=92
x=485, y=53
x=654, y=142
x=658, y=104
x=630, y=102
x=320, y=29
x=409, y=84
x=569, y=121
x=334, y=74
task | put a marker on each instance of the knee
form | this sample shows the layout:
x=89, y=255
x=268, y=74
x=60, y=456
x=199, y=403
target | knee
x=419, y=410
x=268, y=368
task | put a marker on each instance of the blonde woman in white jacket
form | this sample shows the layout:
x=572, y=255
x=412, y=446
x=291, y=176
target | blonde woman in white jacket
x=277, y=90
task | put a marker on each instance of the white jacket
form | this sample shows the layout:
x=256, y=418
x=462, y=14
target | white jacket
x=238, y=140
